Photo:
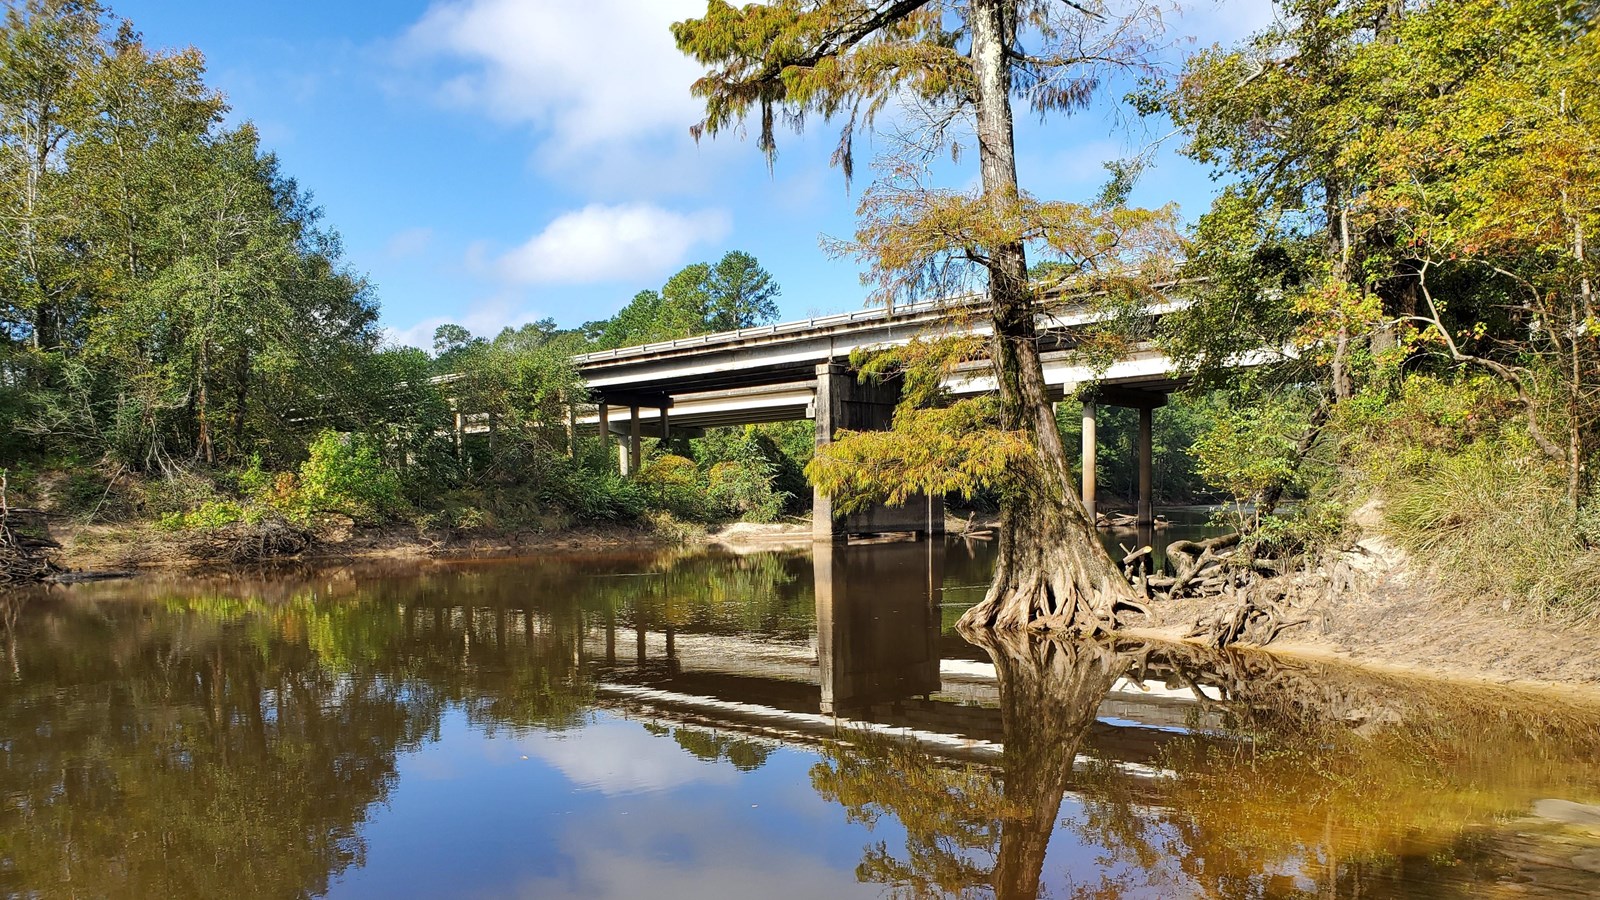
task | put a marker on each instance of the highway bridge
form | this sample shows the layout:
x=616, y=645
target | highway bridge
x=799, y=370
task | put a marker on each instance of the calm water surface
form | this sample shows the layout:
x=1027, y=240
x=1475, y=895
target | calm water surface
x=773, y=725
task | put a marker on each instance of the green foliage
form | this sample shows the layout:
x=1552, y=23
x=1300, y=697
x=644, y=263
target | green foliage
x=674, y=484
x=345, y=474
x=957, y=449
x=1174, y=430
x=700, y=298
x=1446, y=229
x=210, y=514
x=168, y=292
x=778, y=452
x=600, y=494
x=742, y=489
x=1463, y=487
x=1494, y=526
x=1250, y=449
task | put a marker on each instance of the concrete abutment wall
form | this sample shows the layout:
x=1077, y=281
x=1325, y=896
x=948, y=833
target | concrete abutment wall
x=845, y=402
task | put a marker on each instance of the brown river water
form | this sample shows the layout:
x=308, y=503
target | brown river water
x=701, y=724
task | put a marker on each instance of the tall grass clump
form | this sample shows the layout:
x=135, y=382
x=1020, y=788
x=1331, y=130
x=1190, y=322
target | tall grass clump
x=1465, y=491
x=1498, y=527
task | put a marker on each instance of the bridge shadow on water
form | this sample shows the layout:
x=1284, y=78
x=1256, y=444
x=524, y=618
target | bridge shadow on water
x=270, y=737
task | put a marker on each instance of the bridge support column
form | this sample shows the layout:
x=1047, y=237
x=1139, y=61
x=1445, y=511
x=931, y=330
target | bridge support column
x=633, y=440
x=845, y=403
x=1091, y=450
x=1146, y=515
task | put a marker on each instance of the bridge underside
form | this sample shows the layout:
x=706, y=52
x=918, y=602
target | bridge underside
x=831, y=395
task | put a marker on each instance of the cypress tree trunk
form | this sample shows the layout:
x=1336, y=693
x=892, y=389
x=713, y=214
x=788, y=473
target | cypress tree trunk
x=1052, y=571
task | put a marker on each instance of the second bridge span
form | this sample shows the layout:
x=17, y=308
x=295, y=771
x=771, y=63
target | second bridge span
x=799, y=370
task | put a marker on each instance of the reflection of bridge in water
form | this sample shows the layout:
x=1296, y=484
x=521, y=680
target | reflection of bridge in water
x=879, y=662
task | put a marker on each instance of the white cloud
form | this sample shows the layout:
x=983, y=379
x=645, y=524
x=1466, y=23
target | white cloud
x=611, y=243
x=483, y=318
x=408, y=243
x=588, y=73
x=621, y=758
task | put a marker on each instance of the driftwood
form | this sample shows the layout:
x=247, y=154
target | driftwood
x=1125, y=520
x=25, y=544
x=243, y=543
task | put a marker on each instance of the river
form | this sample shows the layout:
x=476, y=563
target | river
x=703, y=724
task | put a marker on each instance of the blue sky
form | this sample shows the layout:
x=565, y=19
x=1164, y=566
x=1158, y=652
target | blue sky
x=490, y=162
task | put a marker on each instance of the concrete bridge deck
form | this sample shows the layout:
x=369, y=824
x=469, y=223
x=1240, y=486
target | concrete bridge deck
x=798, y=370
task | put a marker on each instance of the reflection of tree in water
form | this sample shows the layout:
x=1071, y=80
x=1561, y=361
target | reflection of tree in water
x=745, y=755
x=10, y=610
x=1300, y=781
x=970, y=830
x=213, y=745
x=164, y=755
x=207, y=737
x=1318, y=780
x=753, y=594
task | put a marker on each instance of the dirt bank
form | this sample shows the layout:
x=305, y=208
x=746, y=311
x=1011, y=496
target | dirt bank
x=139, y=548
x=1373, y=607
x=144, y=547
x=1382, y=614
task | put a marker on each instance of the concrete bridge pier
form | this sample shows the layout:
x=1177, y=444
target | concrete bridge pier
x=843, y=402
x=1146, y=402
x=629, y=436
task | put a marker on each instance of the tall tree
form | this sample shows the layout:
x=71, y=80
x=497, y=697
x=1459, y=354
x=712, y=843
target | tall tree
x=166, y=293
x=741, y=293
x=46, y=48
x=959, y=63
x=1371, y=217
x=700, y=298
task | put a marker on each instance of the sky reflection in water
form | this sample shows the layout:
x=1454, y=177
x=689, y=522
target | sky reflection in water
x=705, y=725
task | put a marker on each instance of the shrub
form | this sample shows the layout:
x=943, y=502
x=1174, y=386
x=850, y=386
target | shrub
x=595, y=494
x=743, y=489
x=181, y=493
x=784, y=447
x=673, y=483
x=345, y=474
x=253, y=480
x=210, y=514
x=1250, y=449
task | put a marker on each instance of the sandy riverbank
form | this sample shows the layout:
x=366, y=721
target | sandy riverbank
x=1384, y=619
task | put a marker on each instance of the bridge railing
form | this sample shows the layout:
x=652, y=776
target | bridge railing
x=910, y=311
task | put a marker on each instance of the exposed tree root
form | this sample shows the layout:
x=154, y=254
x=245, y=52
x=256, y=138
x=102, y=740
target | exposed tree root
x=1250, y=608
x=1052, y=575
x=241, y=543
x=1242, y=618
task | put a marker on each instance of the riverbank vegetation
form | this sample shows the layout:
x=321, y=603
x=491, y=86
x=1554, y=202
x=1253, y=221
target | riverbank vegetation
x=183, y=344
x=1399, y=255
x=1428, y=269
x=1403, y=254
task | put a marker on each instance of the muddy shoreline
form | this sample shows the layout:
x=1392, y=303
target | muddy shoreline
x=1385, y=621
